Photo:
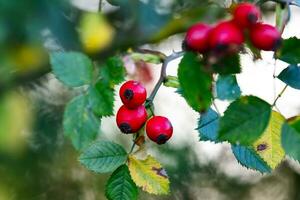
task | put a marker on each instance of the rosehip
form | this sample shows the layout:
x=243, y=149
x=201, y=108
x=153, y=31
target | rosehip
x=265, y=37
x=133, y=94
x=246, y=15
x=197, y=37
x=225, y=36
x=130, y=121
x=159, y=129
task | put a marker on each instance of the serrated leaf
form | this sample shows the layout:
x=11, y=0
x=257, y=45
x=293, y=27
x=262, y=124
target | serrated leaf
x=268, y=146
x=228, y=65
x=291, y=138
x=74, y=69
x=291, y=76
x=149, y=175
x=247, y=157
x=113, y=71
x=103, y=156
x=244, y=121
x=120, y=185
x=227, y=88
x=80, y=124
x=195, y=82
x=101, y=98
x=290, y=51
x=208, y=125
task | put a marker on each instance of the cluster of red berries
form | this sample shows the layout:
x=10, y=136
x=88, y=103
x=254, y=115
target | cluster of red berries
x=228, y=36
x=132, y=116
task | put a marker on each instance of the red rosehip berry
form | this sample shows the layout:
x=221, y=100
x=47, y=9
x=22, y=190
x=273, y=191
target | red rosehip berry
x=265, y=37
x=197, y=37
x=246, y=14
x=133, y=94
x=131, y=120
x=226, y=36
x=159, y=129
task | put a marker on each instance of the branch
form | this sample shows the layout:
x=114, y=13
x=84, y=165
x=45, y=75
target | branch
x=163, y=75
x=279, y=95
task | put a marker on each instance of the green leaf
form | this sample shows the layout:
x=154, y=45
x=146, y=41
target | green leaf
x=149, y=175
x=247, y=157
x=268, y=146
x=147, y=57
x=103, y=156
x=291, y=76
x=113, y=71
x=101, y=98
x=74, y=69
x=120, y=185
x=227, y=87
x=228, y=65
x=80, y=123
x=290, y=51
x=291, y=138
x=245, y=120
x=195, y=82
x=208, y=125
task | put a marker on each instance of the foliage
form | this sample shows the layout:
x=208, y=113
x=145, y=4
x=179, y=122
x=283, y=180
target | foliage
x=85, y=55
x=195, y=82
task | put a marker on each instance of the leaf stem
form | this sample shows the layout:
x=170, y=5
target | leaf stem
x=134, y=140
x=279, y=95
x=163, y=75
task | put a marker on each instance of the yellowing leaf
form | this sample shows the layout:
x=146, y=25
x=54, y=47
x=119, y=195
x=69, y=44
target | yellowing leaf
x=95, y=33
x=149, y=175
x=268, y=146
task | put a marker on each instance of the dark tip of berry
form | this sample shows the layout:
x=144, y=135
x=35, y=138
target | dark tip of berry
x=252, y=18
x=184, y=46
x=277, y=44
x=161, y=139
x=221, y=48
x=128, y=94
x=125, y=128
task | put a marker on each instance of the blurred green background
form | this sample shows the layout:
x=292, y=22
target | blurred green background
x=38, y=163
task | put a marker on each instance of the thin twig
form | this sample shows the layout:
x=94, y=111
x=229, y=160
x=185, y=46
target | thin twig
x=134, y=140
x=279, y=95
x=163, y=74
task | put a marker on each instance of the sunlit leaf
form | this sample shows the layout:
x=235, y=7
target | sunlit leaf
x=208, y=125
x=227, y=88
x=247, y=157
x=103, y=156
x=195, y=82
x=120, y=185
x=291, y=76
x=16, y=121
x=245, y=120
x=80, y=123
x=72, y=68
x=149, y=175
x=95, y=32
x=268, y=146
